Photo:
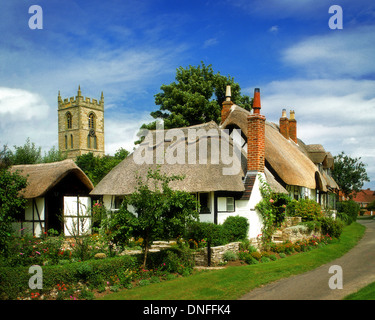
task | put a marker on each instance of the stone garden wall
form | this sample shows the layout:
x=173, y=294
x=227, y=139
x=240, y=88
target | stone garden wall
x=201, y=257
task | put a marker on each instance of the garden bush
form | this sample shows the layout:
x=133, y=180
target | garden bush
x=348, y=211
x=307, y=209
x=332, y=227
x=230, y=256
x=15, y=280
x=175, y=259
x=213, y=233
x=256, y=255
x=235, y=228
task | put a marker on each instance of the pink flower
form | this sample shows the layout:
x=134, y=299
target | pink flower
x=272, y=201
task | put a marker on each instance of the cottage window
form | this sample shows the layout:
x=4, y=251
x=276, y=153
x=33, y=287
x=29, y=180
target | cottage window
x=117, y=202
x=225, y=204
x=203, y=201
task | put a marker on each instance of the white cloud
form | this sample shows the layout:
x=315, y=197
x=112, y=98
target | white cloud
x=339, y=114
x=274, y=29
x=344, y=53
x=210, y=42
x=121, y=132
x=26, y=114
x=20, y=105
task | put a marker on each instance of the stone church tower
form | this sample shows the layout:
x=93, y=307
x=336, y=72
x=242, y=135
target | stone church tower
x=81, y=125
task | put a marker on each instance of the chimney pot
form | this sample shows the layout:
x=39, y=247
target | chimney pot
x=227, y=104
x=293, y=126
x=228, y=93
x=292, y=115
x=256, y=101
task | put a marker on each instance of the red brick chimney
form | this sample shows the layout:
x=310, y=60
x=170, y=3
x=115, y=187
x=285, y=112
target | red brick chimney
x=284, y=125
x=256, y=136
x=227, y=104
x=293, y=126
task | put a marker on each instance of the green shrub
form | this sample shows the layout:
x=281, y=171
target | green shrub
x=171, y=260
x=273, y=257
x=307, y=209
x=245, y=245
x=213, y=233
x=250, y=260
x=14, y=280
x=84, y=271
x=235, y=228
x=282, y=255
x=143, y=283
x=348, y=211
x=230, y=256
x=86, y=294
x=331, y=227
x=265, y=259
x=256, y=255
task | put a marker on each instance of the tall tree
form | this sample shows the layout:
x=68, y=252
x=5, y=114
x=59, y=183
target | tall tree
x=195, y=97
x=97, y=167
x=349, y=173
x=12, y=204
x=26, y=154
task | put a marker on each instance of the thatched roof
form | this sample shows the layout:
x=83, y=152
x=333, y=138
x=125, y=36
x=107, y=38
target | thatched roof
x=289, y=161
x=44, y=176
x=293, y=163
x=199, y=177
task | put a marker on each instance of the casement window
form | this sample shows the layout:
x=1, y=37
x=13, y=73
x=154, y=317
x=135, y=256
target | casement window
x=203, y=201
x=225, y=204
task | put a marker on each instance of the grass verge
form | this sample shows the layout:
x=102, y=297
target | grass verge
x=233, y=282
x=366, y=293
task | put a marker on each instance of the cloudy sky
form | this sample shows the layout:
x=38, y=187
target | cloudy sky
x=128, y=49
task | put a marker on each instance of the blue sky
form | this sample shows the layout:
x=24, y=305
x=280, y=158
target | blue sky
x=128, y=49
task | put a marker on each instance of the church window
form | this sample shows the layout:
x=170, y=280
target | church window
x=71, y=141
x=69, y=120
x=91, y=121
x=66, y=142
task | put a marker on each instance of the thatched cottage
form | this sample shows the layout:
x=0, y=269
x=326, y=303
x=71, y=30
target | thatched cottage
x=57, y=198
x=228, y=185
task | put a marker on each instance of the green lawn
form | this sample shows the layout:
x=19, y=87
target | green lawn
x=233, y=282
x=366, y=293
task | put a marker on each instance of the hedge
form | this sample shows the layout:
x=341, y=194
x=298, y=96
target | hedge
x=14, y=281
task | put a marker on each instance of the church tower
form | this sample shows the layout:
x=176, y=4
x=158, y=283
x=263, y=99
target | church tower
x=81, y=125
